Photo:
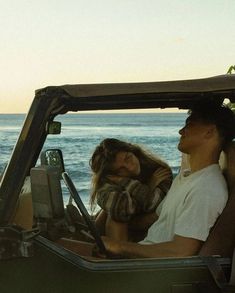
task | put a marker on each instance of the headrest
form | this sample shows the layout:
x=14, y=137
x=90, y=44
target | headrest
x=227, y=164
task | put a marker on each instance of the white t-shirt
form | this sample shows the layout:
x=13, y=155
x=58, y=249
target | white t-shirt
x=191, y=206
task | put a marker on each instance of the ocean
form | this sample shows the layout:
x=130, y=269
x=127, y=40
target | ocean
x=157, y=132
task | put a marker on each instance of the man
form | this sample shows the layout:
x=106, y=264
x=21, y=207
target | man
x=195, y=199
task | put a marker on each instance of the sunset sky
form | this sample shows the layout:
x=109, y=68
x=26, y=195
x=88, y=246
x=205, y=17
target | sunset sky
x=53, y=42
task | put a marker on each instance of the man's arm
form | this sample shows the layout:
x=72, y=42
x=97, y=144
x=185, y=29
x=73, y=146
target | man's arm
x=178, y=247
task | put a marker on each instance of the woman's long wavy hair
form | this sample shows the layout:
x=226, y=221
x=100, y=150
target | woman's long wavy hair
x=104, y=156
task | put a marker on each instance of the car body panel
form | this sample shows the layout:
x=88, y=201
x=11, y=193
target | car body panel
x=56, y=269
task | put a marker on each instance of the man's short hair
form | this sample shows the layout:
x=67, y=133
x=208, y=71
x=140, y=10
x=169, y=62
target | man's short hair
x=220, y=115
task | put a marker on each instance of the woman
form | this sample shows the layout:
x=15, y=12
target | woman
x=128, y=184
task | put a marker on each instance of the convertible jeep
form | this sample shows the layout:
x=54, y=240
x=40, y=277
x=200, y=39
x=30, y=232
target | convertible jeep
x=35, y=223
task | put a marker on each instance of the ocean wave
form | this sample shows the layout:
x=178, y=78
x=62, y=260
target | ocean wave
x=80, y=136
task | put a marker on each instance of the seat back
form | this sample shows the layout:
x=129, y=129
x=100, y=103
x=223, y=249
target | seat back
x=221, y=240
x=46, y=191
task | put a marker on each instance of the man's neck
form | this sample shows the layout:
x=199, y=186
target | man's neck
x=202, y=160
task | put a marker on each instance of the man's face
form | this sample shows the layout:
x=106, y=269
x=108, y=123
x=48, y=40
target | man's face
x=193, y=135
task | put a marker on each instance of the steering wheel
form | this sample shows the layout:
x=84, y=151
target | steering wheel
x=73, y=191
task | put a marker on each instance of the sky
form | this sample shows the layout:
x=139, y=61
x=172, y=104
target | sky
x=55, y=42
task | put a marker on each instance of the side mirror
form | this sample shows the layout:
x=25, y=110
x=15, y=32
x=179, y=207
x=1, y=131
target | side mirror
x=54, y=158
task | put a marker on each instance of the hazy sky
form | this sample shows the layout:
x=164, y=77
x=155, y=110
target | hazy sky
x=53, y=42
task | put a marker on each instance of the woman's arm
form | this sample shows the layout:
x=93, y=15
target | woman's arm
x=159, y=184
x=117, y=201
x=122, y=197
x=143, y=222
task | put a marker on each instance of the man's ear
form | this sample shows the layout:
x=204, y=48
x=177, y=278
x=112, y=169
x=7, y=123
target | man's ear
x=211, y=132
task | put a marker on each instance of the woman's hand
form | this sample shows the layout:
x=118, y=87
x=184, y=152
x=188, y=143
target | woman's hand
x=112, y=246
x=159, y=176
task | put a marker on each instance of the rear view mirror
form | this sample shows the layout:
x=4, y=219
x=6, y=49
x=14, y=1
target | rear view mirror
x=54, y=158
